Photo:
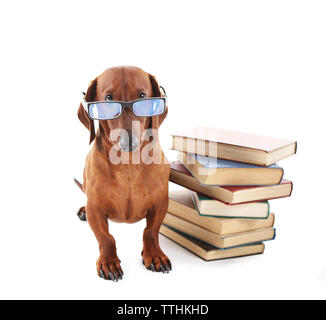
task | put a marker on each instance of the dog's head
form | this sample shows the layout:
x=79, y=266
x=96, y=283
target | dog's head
x=123, y=84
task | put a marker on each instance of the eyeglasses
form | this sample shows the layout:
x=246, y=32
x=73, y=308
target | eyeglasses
x=108, y=110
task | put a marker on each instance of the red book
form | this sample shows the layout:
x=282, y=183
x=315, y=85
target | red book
x=231, y=195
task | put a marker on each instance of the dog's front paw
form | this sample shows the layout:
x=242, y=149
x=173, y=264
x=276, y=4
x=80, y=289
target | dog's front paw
x=156, y=260
x=109, y=268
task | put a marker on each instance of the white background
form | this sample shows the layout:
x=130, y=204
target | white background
x=254, y=66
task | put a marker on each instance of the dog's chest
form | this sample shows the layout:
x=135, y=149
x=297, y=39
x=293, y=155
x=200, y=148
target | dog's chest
x=130, y=194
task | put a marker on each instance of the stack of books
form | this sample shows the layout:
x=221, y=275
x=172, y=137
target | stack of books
x=228, y=178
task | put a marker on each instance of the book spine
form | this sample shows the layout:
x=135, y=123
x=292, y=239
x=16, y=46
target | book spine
x=281, y=176
x=291, y=189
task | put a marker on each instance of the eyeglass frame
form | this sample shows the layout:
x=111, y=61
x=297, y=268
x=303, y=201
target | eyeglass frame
x=124, y=104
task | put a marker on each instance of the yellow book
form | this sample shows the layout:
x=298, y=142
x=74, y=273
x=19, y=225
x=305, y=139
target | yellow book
x=214, y=208
x=233, y=195
x=181, y=205
x=206, y=251
x=226, y=241
x=233, y=145
x=219, y=172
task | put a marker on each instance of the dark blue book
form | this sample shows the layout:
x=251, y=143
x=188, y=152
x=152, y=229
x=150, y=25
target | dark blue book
x=219, y=172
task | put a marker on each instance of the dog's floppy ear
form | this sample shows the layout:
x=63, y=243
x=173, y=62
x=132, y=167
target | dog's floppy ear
x=82, y=113
x=156, y=92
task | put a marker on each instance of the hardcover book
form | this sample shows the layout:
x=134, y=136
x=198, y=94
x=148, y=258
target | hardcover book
x=232, y=195
x=206, y=251
x=216, y=240
x=181, y=205
x=233, y=145
x=213, y=171
x=211, y=207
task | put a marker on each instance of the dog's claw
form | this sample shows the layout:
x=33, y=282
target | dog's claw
x=167, y=268
x=112, y=277
x=150, y=267
x=81, y=213
x=102, y=275
x=164, y=267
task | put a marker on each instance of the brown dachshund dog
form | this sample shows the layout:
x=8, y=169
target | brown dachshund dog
x=124, y=192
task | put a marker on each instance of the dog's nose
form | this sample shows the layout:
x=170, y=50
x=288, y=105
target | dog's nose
x=128, y=142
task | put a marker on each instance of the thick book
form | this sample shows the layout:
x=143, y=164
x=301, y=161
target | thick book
x=214, y=208
x=232, y=195
x=181, y=205
x=216, y=240
x=219, y=172
x=206, y=251
x=233, y=145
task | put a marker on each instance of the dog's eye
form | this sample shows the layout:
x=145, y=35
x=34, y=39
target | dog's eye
x=108, y=97
x=142, y=95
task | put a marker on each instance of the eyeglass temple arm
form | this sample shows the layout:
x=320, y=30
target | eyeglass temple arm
x=164, y=92
x=83, y=100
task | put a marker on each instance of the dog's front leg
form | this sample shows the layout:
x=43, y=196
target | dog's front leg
x=153, y=257
x=108, y=264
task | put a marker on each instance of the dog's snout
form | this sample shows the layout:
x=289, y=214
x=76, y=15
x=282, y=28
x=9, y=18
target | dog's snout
x=128, y=142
